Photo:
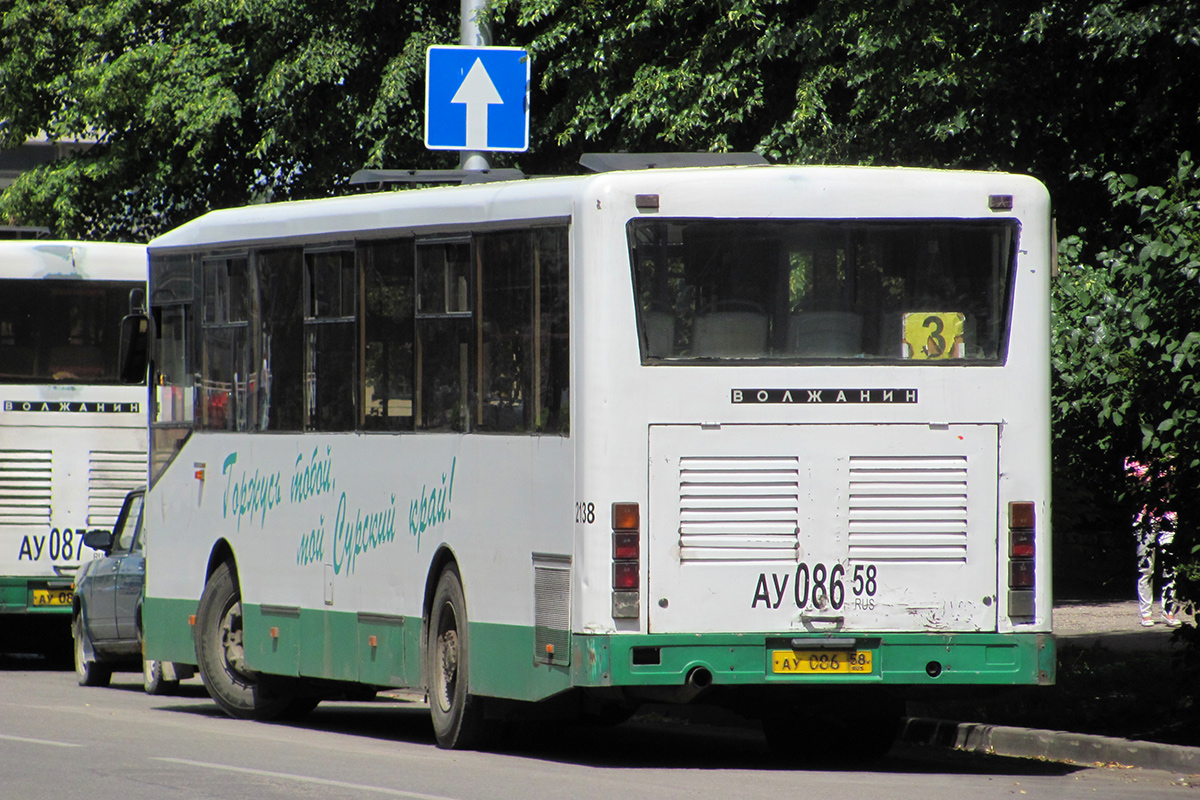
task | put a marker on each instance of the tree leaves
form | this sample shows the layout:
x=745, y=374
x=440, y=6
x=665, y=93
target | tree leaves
x=199, y=104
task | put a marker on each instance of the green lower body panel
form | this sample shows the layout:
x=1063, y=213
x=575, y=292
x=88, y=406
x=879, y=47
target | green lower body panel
x=746, y=659
x=167, y=626
x=385, y=650
x=375, y=649
x=35, y=595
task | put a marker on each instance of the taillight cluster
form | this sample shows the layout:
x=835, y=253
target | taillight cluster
x=626, y=554
x=1021, y=570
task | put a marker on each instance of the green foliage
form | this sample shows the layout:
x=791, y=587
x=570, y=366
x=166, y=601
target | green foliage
x=198, y=104
x=1126, y=352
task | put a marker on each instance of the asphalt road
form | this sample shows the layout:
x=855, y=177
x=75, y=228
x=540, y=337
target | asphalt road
x=62, y=741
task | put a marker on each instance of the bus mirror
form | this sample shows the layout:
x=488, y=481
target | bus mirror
x=135, y=330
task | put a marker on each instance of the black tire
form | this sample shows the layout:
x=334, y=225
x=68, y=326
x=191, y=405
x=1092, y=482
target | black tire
x=153, y=681
x=240, y=692
x=87, y=670
x=458, y=721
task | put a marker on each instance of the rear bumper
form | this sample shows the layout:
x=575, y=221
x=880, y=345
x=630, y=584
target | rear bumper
x=910, y=659
x=35, y=595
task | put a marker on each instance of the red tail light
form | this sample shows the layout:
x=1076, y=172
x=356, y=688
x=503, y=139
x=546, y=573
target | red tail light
x=1020, y=544
x=625, y=546
x=625, y=575
x=627, y=566
x=1020, y=574
x=1022, y=567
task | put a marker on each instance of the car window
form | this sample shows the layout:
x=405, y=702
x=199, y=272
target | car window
x=127, y=524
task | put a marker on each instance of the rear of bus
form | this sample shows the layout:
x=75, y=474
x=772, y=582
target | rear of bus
x=837, y=380
x=72, y=437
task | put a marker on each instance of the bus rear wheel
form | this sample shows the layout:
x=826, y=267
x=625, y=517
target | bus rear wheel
x=220, y=651
x=458, y=721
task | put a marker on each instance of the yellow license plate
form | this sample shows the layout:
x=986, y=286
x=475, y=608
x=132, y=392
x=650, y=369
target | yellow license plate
x=820, y=662
x=52, y=597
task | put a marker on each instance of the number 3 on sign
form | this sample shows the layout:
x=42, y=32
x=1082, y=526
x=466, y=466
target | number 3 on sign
x=933, y=335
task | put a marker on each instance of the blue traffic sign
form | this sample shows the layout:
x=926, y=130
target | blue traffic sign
x=476, y=98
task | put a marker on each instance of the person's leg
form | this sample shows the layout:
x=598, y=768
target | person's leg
x=1145, y=562
x=1169, y=606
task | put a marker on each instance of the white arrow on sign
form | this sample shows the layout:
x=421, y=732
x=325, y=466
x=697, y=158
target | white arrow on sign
x=477, y=92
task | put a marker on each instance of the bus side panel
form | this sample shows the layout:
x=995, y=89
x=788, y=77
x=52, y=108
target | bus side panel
x=332, y=559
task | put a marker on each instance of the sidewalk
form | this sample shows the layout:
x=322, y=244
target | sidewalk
x=1116, y=626
x=1112, y=625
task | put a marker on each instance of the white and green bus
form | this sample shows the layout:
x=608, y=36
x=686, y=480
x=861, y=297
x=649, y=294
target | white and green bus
x=773, y=438
x=72, y=436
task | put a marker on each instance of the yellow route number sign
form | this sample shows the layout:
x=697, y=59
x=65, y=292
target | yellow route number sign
x=933, y=335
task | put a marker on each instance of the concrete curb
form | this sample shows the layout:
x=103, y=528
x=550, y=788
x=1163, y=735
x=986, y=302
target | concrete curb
x=1058, y=746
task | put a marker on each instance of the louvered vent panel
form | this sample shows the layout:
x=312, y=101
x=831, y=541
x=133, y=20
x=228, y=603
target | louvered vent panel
x=25, y=487
x=552, y=608
x=908, y=508
x=738, y=508
x=111, y=475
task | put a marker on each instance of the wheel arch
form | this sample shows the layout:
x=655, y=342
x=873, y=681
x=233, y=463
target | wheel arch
x=221, y=552
x=443, y=558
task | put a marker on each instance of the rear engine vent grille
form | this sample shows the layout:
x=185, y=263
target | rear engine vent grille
x=739, y=508
x=908, y=508
x=111, y=475
x=25, y=487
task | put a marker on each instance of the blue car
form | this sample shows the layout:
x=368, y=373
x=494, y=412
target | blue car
x=107, y=613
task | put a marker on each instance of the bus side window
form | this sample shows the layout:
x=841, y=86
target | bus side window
x=330, y=341
x=386, y=383
x=443, y=336
x=505, y=331
x=523, y=331
x=280, y=344
x=225, y=356
x=551, y=331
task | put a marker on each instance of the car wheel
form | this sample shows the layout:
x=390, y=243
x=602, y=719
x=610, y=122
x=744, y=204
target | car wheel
x=87, y=669
x=153, y=680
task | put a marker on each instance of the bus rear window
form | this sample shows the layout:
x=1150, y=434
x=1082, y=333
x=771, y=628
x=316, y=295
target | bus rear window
x=61, y=331
x=791, y=291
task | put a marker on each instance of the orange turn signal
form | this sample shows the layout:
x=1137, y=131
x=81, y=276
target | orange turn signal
x=626, y=517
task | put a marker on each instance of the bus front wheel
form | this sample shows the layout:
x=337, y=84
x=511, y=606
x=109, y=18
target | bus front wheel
x=220, y=651
x=458, y=720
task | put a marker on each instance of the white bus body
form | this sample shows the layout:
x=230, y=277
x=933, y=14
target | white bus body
x=72, y=437
x=803, y=440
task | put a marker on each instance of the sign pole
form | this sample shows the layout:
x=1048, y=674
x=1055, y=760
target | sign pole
x=472, y=34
